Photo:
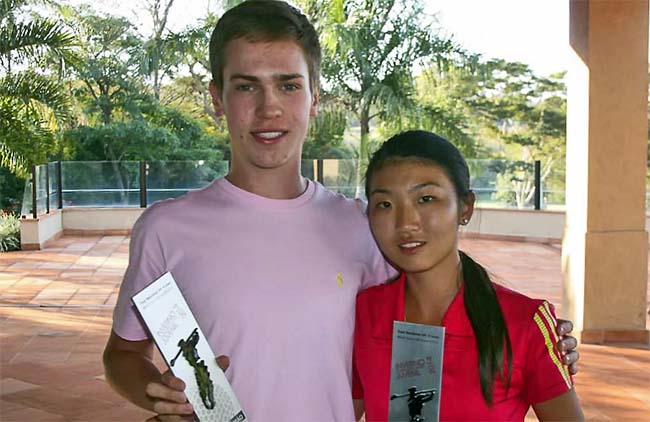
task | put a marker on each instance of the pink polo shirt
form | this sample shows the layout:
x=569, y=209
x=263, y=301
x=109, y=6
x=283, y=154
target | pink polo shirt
x=272, y=284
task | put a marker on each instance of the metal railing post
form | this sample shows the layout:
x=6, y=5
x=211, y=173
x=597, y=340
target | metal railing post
x=319, y=171
x=538, y=184
x=47, y=188
x=143, y=184
x=34, y=205
x=59, y=184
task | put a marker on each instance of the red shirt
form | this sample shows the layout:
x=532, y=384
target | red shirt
x=537, y=372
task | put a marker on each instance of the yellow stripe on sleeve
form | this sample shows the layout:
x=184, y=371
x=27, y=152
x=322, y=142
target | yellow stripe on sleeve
x=550, y=346
x=545, y=310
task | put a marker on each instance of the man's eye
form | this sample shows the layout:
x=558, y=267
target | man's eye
x=290, y=87
x=244, y=88
x=426, y=198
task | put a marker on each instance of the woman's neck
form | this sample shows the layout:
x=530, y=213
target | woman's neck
x=428, y=294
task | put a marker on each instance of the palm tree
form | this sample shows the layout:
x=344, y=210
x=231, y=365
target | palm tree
x=371, y=49
x=32, y=104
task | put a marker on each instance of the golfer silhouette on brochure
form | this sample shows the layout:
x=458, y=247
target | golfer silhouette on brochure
x=188, y=348
x=416, y=400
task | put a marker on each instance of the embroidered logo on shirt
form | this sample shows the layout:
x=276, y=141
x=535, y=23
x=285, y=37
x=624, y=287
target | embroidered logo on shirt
x=339, y=280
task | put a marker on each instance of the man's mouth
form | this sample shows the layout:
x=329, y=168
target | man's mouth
x=268, y=137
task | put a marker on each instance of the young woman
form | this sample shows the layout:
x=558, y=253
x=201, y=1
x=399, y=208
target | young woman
x=499, y=355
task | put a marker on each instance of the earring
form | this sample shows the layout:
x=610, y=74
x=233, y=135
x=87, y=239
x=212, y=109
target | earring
x=464, y=221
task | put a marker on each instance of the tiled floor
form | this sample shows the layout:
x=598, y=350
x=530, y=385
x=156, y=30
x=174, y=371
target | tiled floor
x=55, y=315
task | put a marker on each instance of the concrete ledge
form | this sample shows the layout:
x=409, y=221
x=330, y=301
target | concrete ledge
x=487, y=223
x=77, y=232
x=38, y=246
x=515, y=224
x=99, y=220
x=615, y=336
x=512, y=238
x=35, y=233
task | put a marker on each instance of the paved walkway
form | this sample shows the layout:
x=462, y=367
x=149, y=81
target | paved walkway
x=55, y=315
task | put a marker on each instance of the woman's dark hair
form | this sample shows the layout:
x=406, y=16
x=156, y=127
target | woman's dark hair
x=481, y=302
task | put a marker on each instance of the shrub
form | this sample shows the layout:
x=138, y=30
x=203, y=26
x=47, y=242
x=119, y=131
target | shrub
x=9, y=232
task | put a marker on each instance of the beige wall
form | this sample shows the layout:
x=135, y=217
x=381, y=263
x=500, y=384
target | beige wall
x=99, y=219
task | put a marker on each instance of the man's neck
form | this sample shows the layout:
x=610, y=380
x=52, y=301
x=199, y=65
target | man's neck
x=269, y=183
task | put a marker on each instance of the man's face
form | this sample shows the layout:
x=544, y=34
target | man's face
x=267, y=101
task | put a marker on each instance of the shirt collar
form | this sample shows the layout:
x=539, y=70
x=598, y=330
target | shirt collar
x=455, y=319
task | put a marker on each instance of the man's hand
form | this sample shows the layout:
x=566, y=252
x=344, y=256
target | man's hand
x=567, y=345
x=223, y=362
x=169, y=400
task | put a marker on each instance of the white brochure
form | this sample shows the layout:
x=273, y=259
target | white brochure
x=416, y=372
x=186, y=351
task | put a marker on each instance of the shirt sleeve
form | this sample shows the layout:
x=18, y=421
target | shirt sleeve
x=379, y=270
x=546, y=376
x=146, y=263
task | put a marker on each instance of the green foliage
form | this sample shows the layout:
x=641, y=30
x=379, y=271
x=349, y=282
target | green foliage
x=325, y=138
x=370, y=51
x=9, y=232
x=162, y=133
x=32, y=105
x=524, y=118
x=11, y=190
x=109, y=70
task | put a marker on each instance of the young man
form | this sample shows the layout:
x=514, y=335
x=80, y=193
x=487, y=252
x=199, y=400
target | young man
x=269, y=262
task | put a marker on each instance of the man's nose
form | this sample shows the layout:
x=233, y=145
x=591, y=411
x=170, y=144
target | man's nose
x=269, y=105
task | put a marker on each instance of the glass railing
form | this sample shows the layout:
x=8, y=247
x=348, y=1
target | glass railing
x=100, y=183
x=497, y=183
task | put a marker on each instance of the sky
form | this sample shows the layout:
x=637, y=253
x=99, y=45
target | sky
x=534, y=32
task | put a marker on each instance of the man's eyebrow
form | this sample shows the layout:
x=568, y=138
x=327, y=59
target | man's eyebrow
x=245, y=77
x=280, y=77
x=288, y=77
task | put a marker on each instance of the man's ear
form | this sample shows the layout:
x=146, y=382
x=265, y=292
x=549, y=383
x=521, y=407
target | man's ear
x=315, y=100
x=215, y=93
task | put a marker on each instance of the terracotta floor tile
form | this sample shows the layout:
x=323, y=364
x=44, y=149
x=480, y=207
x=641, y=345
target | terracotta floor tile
x=11, y=385
x=30, y=414
x=40, y=356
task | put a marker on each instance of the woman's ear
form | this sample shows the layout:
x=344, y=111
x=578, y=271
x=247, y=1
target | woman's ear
x=466, y=208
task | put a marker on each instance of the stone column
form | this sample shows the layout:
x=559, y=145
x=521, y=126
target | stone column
x=605, y=246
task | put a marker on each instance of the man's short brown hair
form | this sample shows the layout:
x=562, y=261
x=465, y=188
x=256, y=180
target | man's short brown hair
x=265, y=20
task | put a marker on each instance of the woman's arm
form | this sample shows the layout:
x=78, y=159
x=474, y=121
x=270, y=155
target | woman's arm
x=565, y=407
x=359, y=409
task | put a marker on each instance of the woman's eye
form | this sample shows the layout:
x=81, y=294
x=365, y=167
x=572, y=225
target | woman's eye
x=426, y=198
x=383, y=204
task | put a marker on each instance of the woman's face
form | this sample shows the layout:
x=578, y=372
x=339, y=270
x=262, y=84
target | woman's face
x=414, y=213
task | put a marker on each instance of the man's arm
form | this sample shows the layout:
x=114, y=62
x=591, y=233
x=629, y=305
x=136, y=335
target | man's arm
x=130, y=370
x=567, y=345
